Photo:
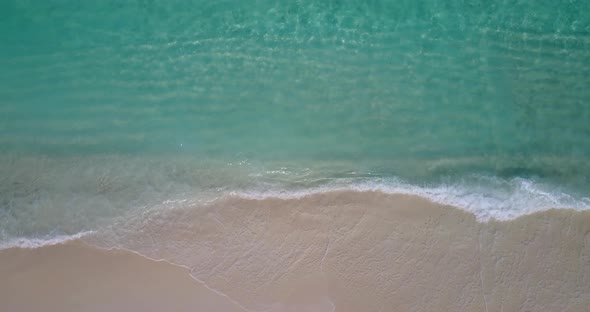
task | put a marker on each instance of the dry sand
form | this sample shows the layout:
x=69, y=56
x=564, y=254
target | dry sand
x=342, y=251
x=76, y=277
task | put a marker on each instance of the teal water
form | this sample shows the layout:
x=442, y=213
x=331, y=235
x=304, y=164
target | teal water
x=109, y=107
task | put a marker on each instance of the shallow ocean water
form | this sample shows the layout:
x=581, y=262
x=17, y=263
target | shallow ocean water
x=109, y=110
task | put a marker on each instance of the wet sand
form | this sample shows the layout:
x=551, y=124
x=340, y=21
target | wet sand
x=343, y=251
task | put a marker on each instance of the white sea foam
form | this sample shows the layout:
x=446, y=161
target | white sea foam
x=485, y=197
x=48, y=240
x=488, y=198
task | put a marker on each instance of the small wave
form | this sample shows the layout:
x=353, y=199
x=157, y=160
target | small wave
x=30, y=243
x=486, y=197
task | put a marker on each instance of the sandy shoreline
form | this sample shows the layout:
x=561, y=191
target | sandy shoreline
x=78, y=277
x=349, y=251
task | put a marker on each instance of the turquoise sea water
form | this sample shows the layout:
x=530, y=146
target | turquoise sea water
x=108, y=108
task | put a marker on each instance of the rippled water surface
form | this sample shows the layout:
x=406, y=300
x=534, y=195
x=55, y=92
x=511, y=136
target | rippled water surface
x=108, y=107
